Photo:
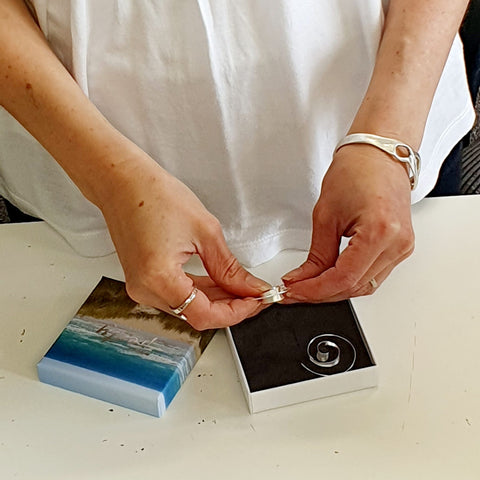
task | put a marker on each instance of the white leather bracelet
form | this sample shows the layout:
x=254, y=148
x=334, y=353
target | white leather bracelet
x=391, y=146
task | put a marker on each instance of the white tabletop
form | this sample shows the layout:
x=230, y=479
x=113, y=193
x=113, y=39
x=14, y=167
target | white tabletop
x=421, y=422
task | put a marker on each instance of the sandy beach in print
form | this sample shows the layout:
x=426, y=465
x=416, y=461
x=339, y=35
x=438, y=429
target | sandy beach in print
x=110, y=302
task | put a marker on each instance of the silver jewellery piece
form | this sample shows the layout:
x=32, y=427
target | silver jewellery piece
x=178, y=311
x=274, y=295
x=392, y=147
x=326, y=353
x=324, y=349
x=373, y=283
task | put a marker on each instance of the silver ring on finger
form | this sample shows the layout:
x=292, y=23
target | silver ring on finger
x=177, y=311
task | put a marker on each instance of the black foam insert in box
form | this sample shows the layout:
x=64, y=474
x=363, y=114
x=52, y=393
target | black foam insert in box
x=272, y=346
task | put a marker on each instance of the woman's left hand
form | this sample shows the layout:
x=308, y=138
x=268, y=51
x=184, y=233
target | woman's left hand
x=365, y=196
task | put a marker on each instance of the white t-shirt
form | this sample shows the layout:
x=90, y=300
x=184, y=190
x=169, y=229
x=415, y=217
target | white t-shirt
x=244, y=101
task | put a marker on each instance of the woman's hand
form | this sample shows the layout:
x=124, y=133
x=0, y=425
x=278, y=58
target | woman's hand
x=365, y=196
x=155, y=221
x=157, y=224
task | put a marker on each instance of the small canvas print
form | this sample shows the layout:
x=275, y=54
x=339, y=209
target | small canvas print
x=114, y=347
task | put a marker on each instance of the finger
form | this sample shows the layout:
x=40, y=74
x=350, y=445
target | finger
x=214, y=292
x=367, y=288
x=225, y=269
x=369, y=283
x=203, y=314
x=351, y=266
x=370, y=286
x=381, y=268
x=374, y=278
x=217, y=294
x=323, y=250
x=165, y=288
x=214, y=307
x=218, y=309
x=364, y=287
x=169, y=288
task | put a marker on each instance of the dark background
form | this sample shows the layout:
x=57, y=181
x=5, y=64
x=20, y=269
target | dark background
x=273, y=345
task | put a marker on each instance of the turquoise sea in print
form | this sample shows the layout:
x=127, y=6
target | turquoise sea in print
x=131, y=355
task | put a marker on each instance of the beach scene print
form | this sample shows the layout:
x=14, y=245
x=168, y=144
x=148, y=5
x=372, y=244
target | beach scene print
x=112, y=335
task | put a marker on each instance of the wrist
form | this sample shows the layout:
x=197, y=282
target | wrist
x=380, y=117
x=119, y=173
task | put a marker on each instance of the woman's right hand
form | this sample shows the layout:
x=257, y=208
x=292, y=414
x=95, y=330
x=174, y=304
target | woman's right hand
x=157, y=223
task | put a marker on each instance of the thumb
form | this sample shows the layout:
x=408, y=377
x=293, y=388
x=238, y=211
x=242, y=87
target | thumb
x=225, y=270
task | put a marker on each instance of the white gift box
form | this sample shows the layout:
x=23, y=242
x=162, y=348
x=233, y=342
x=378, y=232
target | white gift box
x=294, y=353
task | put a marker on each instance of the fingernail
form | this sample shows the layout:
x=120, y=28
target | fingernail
x=298, y=298
x=290, y=277
x=258, y=284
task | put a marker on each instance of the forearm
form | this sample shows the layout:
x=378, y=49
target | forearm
x=41, y=94
x=416, y=41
